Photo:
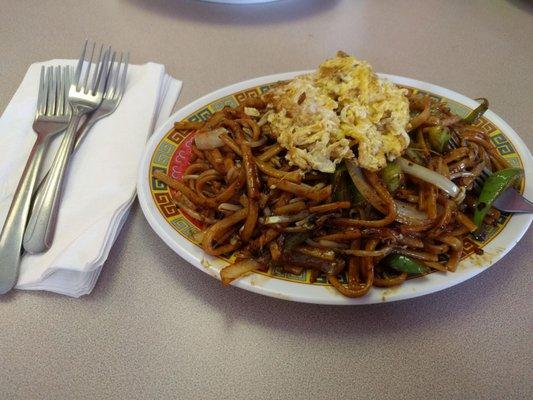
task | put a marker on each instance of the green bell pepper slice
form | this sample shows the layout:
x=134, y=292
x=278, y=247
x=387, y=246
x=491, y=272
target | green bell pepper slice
x=392, y=176
x=402, y=263
x=477, y=112
x=438, y=137
x=493, y=187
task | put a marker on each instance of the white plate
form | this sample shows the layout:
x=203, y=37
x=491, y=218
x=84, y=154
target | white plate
x=494, y=250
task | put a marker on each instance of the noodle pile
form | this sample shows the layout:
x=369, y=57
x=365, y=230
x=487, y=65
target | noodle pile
x=253, y=202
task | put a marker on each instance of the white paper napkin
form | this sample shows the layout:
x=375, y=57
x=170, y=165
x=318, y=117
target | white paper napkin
x=100, y=185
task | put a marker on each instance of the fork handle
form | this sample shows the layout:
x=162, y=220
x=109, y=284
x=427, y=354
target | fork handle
x=41, y=226
x=17, y=217
x=81, y=133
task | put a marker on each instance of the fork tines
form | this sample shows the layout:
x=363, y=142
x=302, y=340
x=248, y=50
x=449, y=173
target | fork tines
x=52, y=98
x=95, y=82
x=116, y=80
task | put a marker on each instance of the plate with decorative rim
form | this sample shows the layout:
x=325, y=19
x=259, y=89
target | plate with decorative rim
x=168, y=150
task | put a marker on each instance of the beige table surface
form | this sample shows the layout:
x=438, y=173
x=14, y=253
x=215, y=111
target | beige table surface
x=155, y=327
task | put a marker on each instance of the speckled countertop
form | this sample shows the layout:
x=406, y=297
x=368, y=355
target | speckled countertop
x=154, y=327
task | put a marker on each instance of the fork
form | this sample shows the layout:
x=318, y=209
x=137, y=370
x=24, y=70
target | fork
x=509, y=200
x=51, y=117
x=114, y=90
x=84, y=96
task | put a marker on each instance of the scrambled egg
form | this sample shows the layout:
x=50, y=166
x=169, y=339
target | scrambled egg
x=323, y=117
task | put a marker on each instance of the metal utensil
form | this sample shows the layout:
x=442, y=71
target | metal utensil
x=84, y=96
x=512, y=201
x=509, y=200
x=114, y=90
x=115, y=86
x=51, y=117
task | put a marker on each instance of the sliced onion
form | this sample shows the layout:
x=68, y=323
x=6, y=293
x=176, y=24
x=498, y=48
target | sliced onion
x=409, y=215
x=258, y=143
x=264, y=119
x=430, y=176
x=197, y=216
x=231, y=272
x=232, y=174
x=281, y=219
x=229, y=207
x=252, y=112
x=327, y=244
x=209, y=140
x=363, y=187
